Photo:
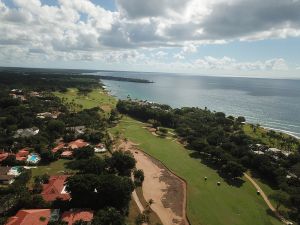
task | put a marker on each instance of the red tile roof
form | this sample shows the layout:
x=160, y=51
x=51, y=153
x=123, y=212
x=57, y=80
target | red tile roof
x=22, y=154
x=71, y=217
x=77, y=144
x=30, y=217
x=67, y=154
x=55, y=189
x=3, y=156
x=58, y=147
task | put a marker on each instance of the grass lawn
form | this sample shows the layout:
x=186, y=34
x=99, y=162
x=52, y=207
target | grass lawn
x=54, y=168
x=261, y=136
x=208, y=204
x=268, y=189
x=97, y=97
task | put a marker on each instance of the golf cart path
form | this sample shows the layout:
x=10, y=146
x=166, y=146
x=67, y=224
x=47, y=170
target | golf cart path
x=137, y=201
x=266, y=199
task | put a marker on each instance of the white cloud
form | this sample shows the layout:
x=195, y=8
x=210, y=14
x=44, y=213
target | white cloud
x=189, y=48
x=178, y=56
x=227, y=63
x=83, y=30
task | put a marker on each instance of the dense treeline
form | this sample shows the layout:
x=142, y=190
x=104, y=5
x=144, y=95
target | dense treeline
x=222, y=144
x=47, y=81
x=103, y=185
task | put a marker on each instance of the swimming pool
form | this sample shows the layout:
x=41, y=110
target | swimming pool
x=14, y=171
x=33, y=158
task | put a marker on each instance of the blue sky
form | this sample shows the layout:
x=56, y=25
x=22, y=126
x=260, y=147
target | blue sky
x=245, y=37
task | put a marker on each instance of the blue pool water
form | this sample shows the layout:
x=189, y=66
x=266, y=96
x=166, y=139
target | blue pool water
x=33, y=158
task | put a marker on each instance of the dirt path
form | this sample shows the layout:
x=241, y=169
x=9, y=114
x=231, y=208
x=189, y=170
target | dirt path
x=266, y=199
x=166, y=190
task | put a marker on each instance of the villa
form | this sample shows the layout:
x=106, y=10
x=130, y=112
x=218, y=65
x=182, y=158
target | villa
x=55, y=189
x=30, y=217
x=79, y=143
x=72, y=216
x=45, y=115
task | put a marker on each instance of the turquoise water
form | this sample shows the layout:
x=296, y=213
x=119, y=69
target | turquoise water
x=33, y=158
x=273, y=103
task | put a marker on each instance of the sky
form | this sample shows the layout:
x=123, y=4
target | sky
x=205, y=37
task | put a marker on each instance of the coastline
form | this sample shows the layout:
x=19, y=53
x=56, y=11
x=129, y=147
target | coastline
x=290, y=133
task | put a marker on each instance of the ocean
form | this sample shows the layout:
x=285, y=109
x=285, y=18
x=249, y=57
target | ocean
x=272, y=103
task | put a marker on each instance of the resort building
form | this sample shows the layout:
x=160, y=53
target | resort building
x=28, y=132
x=72, y=216
x=55, y=189
x=33, y=217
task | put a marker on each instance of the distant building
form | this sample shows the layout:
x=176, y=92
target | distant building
x=277, y=151
x=28, y=132
x=3, y=156
x=4, y=177
x=35, y=94
x=100, y=148
x=274, y=150
x=78, y=130
x=79, y=143
x=72, y=216
x=55, y=189
x=16, y=91
x=22, y=154
x=44, y=115
x=67, y=155
x=15, y=171
x=33, y=217
x=61, y=145
x=258, y=152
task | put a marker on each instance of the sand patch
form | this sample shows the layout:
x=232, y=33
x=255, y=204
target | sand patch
x=166, y=190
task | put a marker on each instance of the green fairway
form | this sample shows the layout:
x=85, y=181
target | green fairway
x=97, y=97
x=208, y=204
